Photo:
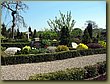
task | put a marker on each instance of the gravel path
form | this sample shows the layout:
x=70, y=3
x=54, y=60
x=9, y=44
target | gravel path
x=23, y=71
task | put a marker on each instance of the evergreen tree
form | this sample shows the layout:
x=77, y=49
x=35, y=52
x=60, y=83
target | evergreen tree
x=18, y=33
x=34, y=35
x=30, y=32
x=3, y=32
x=64, y=36
x=89, y=28
x=86, y=37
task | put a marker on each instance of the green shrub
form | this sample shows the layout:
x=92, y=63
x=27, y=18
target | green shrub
x=62, y=48
x=102, y=43
x=82, y=46
x=90, y=71
x=28, y=58
x=51, y=49
x=26, y=50
x=68, y=74
x=3, y=48
x=19, y=45
x=101, y=67
x=70, y=48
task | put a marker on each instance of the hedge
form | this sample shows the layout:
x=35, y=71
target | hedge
x=20, y=45
x=73, y=73
x=19, y=59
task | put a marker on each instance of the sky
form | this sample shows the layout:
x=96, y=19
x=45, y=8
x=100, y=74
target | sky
x=39, y=12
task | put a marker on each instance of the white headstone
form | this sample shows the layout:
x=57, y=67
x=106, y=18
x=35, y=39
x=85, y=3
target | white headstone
x=74, y=45
x=12, y=50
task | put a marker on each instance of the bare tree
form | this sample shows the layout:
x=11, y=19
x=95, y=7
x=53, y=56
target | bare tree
x=15, y=7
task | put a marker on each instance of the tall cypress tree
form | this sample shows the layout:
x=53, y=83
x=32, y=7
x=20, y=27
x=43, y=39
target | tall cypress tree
x=86, y=37
x=64, y=36
x=3, y=32
x=34, y=35
x=18, y=33
x=30, y=32
x=89, y=28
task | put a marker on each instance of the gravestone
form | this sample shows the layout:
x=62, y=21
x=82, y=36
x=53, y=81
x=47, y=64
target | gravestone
x=74, y=45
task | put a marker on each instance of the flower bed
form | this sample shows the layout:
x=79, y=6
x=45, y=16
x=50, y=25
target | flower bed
x=34, y=58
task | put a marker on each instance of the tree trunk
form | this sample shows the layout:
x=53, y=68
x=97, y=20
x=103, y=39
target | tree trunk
x=13, y=23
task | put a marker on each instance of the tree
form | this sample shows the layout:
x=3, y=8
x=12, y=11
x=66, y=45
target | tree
x=15, y=7
x=34, y=35
x=9, y=32
x=30, y=31
x=89, y=28
x=63, y=20
x=4, y=32
x=86, y=38
x=64, y=36
x=93, y=23
x=18, y=33
x=76, y=32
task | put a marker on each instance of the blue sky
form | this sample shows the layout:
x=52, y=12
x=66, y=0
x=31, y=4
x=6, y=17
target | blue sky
x=40, y=11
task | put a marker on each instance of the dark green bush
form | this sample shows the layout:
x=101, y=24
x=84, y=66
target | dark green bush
x=20, y=45
x=62, y=48
x=48, y=56
x=3, y=48
x=91, y=71
x=71, y=74
x=101, y=67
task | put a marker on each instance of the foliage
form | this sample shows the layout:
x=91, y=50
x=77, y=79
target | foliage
x=64, y=36
x=3, y=54
x=76, y=32
x=37, y=51
x=102, y=43
x=28, y=58
x=82, y=46
x=26, y=49
x=48, y=34
x=46, y=42
x=29, y=29
x=94, y=45
x=3, y=30
x=62, y=48
x=32, y=51
x=86, y=37
x=102, y=67
x=18, y=34
x=35, y=33
x=51, y=49
x=93, y=23
x=76, y=40
x=70, y=74
x=17, y=44
x=63, y=20
x=91, y=71
x=3, y=48
x=89, y=28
